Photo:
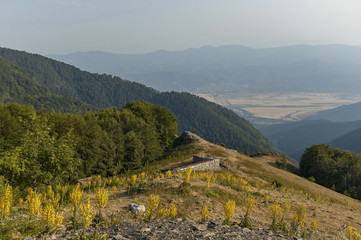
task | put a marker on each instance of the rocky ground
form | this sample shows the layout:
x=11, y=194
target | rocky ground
x=179, y=229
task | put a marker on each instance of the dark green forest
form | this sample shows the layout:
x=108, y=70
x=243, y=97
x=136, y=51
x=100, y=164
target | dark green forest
x=16, y=85
x=209, y=120
x=38, y=148
x=333, y=168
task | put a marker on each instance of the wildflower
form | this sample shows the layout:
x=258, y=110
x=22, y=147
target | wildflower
x=34, y=203
x=229, y=209
x=314, y=224
x=101, y=198
x=188, y=174
x=173, y=210
x=75, y=197
x=204, y=214
x=86, y=214
x=152, y=205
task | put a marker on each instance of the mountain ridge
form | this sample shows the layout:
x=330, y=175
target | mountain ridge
x=104, y=91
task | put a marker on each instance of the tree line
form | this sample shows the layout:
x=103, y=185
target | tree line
x=333, y=168
x=38, y=148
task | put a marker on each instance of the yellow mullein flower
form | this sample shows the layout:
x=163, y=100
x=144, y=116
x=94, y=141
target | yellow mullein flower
x=75, y=197
x=34, y=203
x=229, y=209
x=101, y=198
x=188, y=174
x=86, y=214
x=173, y=210
x=204, y=214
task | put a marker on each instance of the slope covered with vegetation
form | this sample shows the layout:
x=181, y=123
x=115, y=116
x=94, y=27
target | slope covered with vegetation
x=350, y=141
x=333, y=168
x=294, y=138
x=207, y=119
x=245, y=193
x=41, y=148
x=16, y=85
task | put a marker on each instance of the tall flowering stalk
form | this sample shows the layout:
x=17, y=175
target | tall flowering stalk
x=188, y=174
x=86, y=214
x=33, y=200
x=75, y=198
x=101, y=198
x=6, y=201
x=229, y=209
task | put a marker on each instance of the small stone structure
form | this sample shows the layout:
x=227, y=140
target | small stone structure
x=201, y=163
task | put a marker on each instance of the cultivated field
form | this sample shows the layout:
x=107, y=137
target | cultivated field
x=280, y=105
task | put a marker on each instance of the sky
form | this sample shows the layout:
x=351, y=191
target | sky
x=140, y=26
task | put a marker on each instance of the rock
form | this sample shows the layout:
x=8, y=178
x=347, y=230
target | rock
x=136, y=208
x=200, y=227
x=145, y=230
x=119, y=237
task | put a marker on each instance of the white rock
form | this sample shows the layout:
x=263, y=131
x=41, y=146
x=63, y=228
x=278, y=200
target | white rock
x=136, y=208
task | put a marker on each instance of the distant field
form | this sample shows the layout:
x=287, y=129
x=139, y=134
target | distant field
x=287, y=106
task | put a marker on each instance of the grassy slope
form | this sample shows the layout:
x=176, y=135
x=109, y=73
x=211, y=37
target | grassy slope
x=332, y=213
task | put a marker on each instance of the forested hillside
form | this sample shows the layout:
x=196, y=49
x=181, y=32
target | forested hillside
x=41, y=148
x=209, y=120
x=16, y=85
x=350, y=141
x=213, y=122
x=333, y=168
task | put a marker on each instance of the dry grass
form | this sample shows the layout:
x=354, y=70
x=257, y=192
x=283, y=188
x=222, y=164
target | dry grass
x=333, y=212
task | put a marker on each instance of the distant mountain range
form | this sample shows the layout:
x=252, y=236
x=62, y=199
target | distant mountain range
x=294, y=138
x=351, y=112
x=329, y=68
x=28, y=78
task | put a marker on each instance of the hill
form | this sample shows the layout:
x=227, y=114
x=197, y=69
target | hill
x=16, y=85
x=294, y=138
x=233, y=69
x=351, y=112
x=255, y=185
x=349, y=141
x=209, y=120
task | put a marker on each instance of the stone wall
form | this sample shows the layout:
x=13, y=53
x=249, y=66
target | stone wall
x=201, y=163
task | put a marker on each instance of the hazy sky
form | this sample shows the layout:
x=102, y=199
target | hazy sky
x=138, y=26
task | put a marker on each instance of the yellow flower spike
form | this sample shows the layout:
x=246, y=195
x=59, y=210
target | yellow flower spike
x=168, y=174
x=188, y=174
x=275, y=210
x=21, y=201
x=49, y=214
x=204, y=214
x=229, y=209
x=209, y=177
x=7, y=200
x=75, y=197
x=86, y=214
x=101, y=198
x=173, y=210
x=34, y=203
x=58, y=220
x=356, y=236
x=133, y=180
x=249, y=204
x=152, y=205
x=314, y=224
x=349, y=232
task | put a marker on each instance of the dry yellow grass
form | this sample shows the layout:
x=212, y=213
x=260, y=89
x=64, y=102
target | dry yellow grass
x=333, y=211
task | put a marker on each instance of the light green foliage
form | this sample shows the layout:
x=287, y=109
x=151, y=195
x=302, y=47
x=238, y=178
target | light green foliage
x=52, y=148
